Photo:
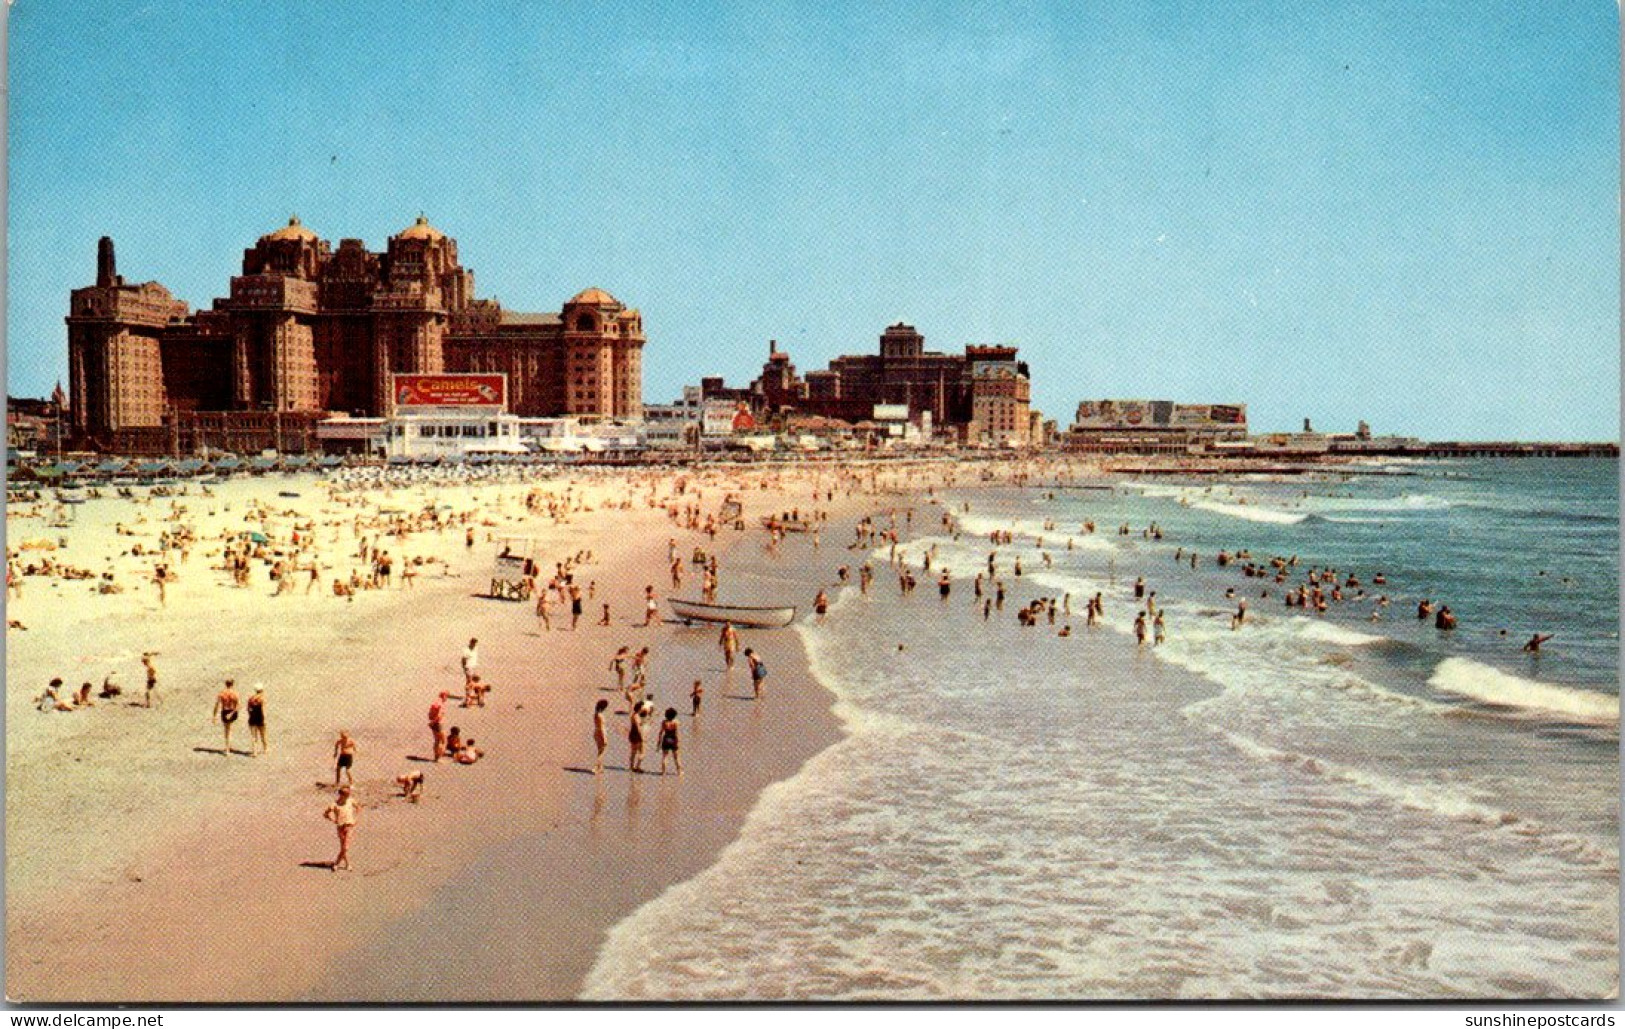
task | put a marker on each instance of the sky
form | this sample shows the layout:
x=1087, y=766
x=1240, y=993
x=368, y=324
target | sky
x=1406, y=212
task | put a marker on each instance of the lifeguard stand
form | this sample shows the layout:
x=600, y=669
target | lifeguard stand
x=509, y=580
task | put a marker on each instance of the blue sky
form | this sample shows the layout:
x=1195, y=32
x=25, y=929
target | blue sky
x=1402, y=211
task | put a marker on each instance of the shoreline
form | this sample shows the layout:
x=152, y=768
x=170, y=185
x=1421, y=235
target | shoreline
x=343, y=937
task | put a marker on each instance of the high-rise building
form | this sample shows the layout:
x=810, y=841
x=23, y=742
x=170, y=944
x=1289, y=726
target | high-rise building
x=307, y=329
x=981, y=395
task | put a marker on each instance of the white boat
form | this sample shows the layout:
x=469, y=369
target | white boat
x=690, y=611
x=785, y=524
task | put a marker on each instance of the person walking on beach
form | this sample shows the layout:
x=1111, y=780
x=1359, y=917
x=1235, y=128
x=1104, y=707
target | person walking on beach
x=758, y=672
x=342, y=813
x=695, y=695
x=668, y=742
x=1159, y=631
x=575, y=606
x=344, y=758
x=729, y=642
x=471, y=661
x=225, y=708
x=1139, y=629
x=152, y=676
x=600, y=735
x=256, y=721
x=651, y=607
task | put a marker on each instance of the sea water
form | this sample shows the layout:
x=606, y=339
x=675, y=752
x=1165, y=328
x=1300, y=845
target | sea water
x=1302, y=806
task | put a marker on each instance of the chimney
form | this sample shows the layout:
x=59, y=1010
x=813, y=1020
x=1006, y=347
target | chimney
x=106, y=264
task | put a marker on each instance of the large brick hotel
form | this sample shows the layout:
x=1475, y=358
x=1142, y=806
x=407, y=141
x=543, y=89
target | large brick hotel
x=308, y=329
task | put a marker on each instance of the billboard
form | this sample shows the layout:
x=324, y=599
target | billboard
x=1118, y=414
x=1140, y=414
x=891, y=413
x=724, y=418
x=474, y=389
x=1210, y=415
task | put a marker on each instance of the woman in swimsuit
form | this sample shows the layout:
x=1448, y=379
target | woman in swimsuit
x=668, y=741
x=256, y=720
x=600, y=735
x=634, y=740
x=343, y=758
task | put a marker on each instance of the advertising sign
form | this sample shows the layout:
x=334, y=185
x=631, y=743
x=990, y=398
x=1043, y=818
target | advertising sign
x=723, y=418
x=1116, y=414
x=1131, y=414
x=478, y=389
x=891, y=413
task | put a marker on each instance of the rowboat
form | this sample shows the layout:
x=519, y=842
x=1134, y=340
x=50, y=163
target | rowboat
x=691, y=611
x=785, y=524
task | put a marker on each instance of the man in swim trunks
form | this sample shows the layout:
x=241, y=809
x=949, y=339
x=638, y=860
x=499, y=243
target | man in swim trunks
x=436, y=725
x=342, y=813
x=225, y=707
x=344, y=758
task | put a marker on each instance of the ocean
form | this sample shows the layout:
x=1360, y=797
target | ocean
x=1304, y=806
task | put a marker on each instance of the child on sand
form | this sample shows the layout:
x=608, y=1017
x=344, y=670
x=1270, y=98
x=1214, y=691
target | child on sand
x=695, y=695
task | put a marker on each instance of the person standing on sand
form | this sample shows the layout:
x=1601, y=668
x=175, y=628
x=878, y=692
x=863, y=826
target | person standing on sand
x=600, y=735
x=542, y=609
x=225, y=707
x=471, y=661
x=668, y=742
x=758, y=672
x=651, y=606
x=344, y=758
x=617, y=664
x=575, y=606
x=437, y=725
x=152, y=676
x=634, y=741
x=256, y=720
x=729, y=642
x=342, y=813
x=695, y=695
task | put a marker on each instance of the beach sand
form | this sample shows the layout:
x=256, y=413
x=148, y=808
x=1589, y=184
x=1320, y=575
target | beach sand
x=146, y=865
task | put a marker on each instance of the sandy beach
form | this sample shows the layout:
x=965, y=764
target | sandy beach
x=146, y=865
x=935, y=799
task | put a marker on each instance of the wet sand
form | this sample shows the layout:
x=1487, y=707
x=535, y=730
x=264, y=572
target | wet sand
x=145, y=865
